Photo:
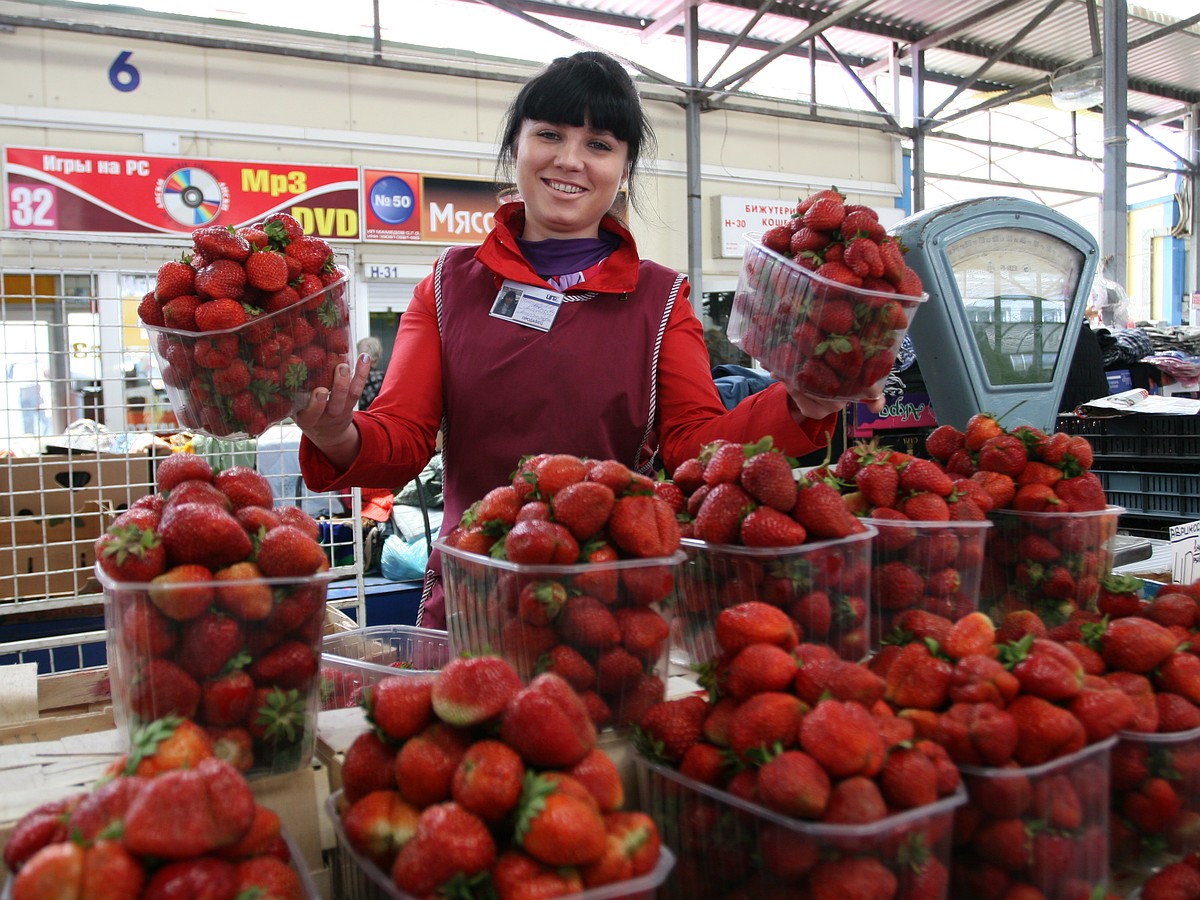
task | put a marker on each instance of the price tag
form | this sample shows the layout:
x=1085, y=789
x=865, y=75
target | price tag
x=1185, y=552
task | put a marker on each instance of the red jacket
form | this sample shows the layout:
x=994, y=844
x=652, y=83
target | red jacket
x=400, y=428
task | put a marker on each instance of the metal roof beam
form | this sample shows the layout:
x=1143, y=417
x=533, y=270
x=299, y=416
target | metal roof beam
x=737, y=40
x=996, y=55
x=861, y=84
x=737, y=79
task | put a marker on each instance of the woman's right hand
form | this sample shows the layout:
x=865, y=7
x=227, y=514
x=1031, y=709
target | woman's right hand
x=328, y=419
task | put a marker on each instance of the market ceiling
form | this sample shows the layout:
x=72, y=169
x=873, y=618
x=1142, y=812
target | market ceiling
x=1014, y=49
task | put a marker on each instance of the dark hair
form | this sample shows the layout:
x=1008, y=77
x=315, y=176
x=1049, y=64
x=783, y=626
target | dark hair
x=588, y=88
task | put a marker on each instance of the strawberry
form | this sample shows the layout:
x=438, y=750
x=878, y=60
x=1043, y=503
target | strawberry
x=180, y=313
x=291, y=664
x=289, y=552
x=448, y=842
x=825, y=214
x=426, y=763
x=764, y=720
x=244, y=487
x=669, y=728
x=540, y=542
x=202, y=533
x=219, y=242
x=644, y=526
x=918, y=679
x=754, y=622
x=472, y=690
x=766, y=526
x=557, y=826
x=68, y=869
x=228, y=699
x=267, y=270
x=189, y=812
x=856, y=800
x=583, y=507
x=161, y=688
x=585, y=622
x=795, y=784
x=719, y=517
x=851, y=876
x=778, y=239
x=488, y=780
x=843, y=738
x=1044, y=731
x=221, y=314
x=174, y=279
x=1103, y=712
x=1134, y=644
x=1044, y=668
x=1174, y=880
x=757, y=668
x=547, y=723
x=203, y=876
x=221, y=278
x=368, y=766
x=908, y=778
x=599, y=774
x=821, y=510
x=400, y=706
x=517, y=876
x=767, y=477
x=378, y=824
x=43, y=825
x=131, y=553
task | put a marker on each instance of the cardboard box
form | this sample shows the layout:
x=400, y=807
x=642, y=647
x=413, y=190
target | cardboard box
x=45, y=556
x=54, y=484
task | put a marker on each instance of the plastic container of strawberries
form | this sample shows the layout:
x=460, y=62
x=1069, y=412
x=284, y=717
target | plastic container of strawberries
x=308, y=886
x=481, y=615
x=236, y=383
x=159, y=665
x=352, y=660
x=727, y=846
x=356, y=878
x=932, y=566
x=1025, y=549
x=777, y=306
x=825, y=586
x=1059, y=811
x=1143, y=844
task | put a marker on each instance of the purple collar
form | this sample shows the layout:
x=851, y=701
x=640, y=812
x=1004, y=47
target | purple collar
x=554, y=257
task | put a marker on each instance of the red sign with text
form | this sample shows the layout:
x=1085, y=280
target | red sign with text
x=69, y=190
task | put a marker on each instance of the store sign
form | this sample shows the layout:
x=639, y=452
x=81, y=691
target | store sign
x=738, y=216
x=52, y=190
x=1185, y=552
x=407, y=206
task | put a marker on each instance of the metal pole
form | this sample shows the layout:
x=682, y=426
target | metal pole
x=1114, y=222
x=695, y=210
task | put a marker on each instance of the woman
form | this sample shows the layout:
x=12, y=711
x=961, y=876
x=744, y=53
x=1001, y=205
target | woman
x=607, y=360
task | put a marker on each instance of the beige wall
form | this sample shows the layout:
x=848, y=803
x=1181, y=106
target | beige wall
x=195, y=102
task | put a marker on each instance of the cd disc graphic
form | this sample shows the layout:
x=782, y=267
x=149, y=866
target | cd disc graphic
x=191, y=196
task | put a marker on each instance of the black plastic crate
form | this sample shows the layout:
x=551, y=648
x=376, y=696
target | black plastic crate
x=1165, y=494
x=1152, y=438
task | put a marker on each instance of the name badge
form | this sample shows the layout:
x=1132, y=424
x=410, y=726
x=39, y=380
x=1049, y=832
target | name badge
x=525, y=304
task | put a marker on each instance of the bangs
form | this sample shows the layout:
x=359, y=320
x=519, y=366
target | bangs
x=585, y=96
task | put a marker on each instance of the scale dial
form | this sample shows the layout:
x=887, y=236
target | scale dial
x=1016, y=287
x=1008, y=280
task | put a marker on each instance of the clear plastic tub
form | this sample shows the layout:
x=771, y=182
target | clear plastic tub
x=198, y=368
x=781, y=313
x=1045, y=826
x=825, y=586
x=614, y=618
x=159, y=666
x=727, y=846
x=933, y=566
x=1026, y=550
x=351, y=660
x=356, y=878
x=1144, y=766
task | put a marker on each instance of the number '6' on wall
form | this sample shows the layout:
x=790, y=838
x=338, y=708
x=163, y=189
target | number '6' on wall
x=122, y=74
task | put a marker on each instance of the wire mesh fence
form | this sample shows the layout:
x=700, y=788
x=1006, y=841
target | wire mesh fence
x=84, y=421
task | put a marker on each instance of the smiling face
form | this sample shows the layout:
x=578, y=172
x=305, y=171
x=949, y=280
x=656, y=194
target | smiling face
x=568, y=176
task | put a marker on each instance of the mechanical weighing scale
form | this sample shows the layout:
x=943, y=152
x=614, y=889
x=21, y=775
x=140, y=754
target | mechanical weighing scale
x=1008, y=283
